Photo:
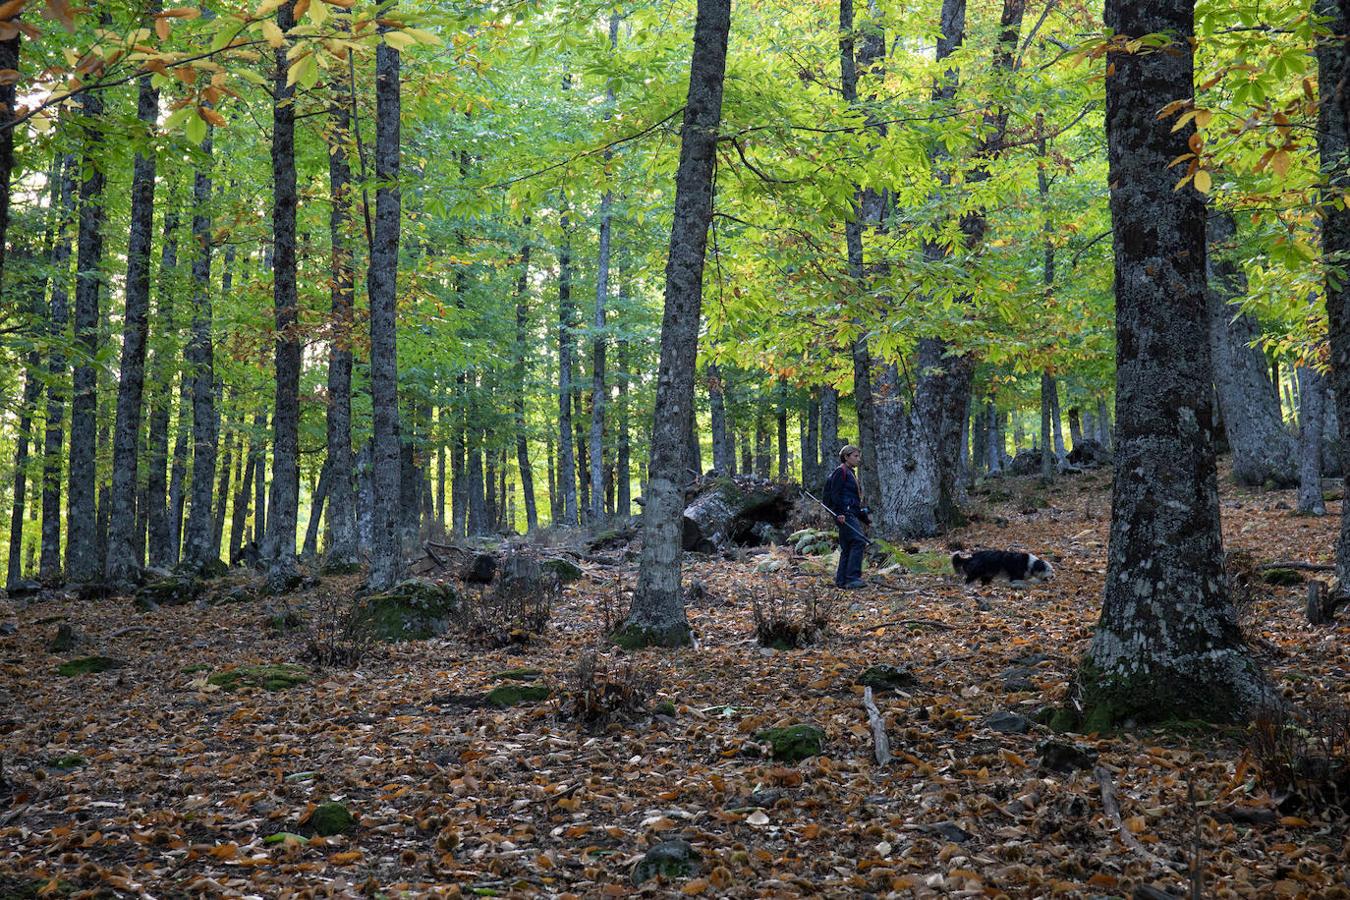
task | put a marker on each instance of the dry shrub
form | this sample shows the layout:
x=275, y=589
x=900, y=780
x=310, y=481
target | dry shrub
x=334, y=634
x=1303, y=756
x=516, y=610
x=785, y=619
x=598, y=694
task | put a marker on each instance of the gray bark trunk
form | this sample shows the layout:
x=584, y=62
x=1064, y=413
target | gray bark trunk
x=1168, y=642
x=343, y=546
x=1103, y=424
x=229, y=443
x=623, y=476
x=829, y=429
x=721, y=445
x=161, y=376
x=260, y=430
x=242, y=499
x=657, y=611
x=784, y=458
x=81, y=520
x=598, y=387
x=9, y=59
x=567, y=484
x=1311, y=418
x=1057, y=423
x=49, y=564
x=199, y=543
x=1047, y=465
x=995, y=448
x=522, y=354
x=382, y=286
x=1262, y=450
x=812, y=473
x=32, y=387
x=310, y=548
x=178, y=470
x=283, y=513
x=123, y=560
x=1075, y=427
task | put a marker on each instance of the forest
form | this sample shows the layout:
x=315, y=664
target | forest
x=435, y=438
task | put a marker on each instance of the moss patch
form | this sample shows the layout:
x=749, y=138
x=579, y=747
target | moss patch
x=513, y=694
x=1282, y=577
x=565, y=569
x=1162, y=696
x=332, y=818
x=413, y=610
x=518, y=675
x=636, y=637
x=68, y=761
x=793, y=743
x=269, y=678
x=88, y=664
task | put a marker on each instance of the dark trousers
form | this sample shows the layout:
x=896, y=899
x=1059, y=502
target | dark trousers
x=851, y=547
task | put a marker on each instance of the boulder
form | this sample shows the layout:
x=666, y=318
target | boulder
x=412, y=610
x=729, y=511
x=793, y=743
x=1089, y=454
x=886, y=677
x=331, y=819
x=167, y=590
x=1006, y=722
x=565, y=569
x=668, y=859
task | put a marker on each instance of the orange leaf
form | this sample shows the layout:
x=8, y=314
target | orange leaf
x=225, y=851
x=1294, y=822
x=697, y=886
x=11, y=9
x=162, y=29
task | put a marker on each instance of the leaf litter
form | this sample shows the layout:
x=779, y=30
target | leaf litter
x=190, y=790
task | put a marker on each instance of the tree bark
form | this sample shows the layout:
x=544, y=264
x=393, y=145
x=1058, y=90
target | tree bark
x=598, y=387
x=1103, y=425
x=583, y=455
x=178, y=470
x=811, y=468
x=310, y=548
x=657, y=614
x=1262, y=450
x=260, y=430
x=382, y=283
x=522, y=354
x=567, y=484
x=1075, y=427
x=81, y=515
x=784, y=458
x=198, y=542
x=283, y=514
x=721, y=446
x=32, y=387
x=123, y=561
x=343, y=545
x=1168, y=642
x=239, y=513
x=49, y=564
x=1311, y=419
x=1047, y=464
x=161, y=375
x=829, y=430
x=995, y=447
x=623, y=476
x=9, y=59
x=228, y=443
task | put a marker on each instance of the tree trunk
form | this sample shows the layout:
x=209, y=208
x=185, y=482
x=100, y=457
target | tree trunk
x=566, y=456
x=1057, y=424
x=1103, y=425
x=657, y=614
x=1075, y=427
x=784, y=458
x=623, y=476
x=310, y=548
x=1168, y=642
x=229, y=442
x=32, y=387
x=161, y=375
x=1312, y=402
x=522, y=354
x=583, y=455
x=365, y=493
x=178, y=470
x=721, y=446
x=761, y=440
x=9, y=59
x=282, y=519
x=598, y=387
x=1262, y=450
x=123, y=561
x=1047, y=465
x=995, y=447
x=260, y=430
x=198, y=542
x=829, y=429
x=382, y=287
x=81, y=520
x=811, y=469
x=239, y=513
x=49, y=565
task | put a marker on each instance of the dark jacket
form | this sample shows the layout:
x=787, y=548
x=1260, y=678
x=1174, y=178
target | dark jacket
x=842, y=494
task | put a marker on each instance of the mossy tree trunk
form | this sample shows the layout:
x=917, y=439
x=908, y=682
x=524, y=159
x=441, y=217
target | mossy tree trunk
x=1168, y=642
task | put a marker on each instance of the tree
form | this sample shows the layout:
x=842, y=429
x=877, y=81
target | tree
x=386, y=560
x=81, y=544
x=123, y=560
x=522, y=350
x=1168, y=642
x=657, y=615
x=49, y=565
x=198, y=543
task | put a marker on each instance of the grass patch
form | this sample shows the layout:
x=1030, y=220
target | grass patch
x=269, y=678
x=88, y=665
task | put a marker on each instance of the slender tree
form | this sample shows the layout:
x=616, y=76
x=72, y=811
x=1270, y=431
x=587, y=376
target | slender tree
x=1168, y=642
x=123, y=561
x=49, y=565
x=161, y=372
x=522, y=354
x=198, y=535
x=81, y=518
x=598, y=387
x=381, y=285
x=9, y=59
x=657, y=615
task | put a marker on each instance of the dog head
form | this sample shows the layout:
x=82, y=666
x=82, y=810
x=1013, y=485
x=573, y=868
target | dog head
x=959, y=563
x=1038, y=569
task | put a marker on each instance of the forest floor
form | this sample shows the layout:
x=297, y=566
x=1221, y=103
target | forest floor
x=149, y=780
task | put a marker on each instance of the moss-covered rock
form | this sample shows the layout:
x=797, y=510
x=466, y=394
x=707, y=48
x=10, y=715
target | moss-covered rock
x=668, y=859
x=170, y=590
x=86, y=665
x=793, y=743
x=412, y=610
x=332, y=818
x=519, y=675
x=565, y=569
x=886, y=677
x=665, y=708
x=269, y=678
x=336, y=567
x=1282, y=577
x=636, y=637
x=512, y=694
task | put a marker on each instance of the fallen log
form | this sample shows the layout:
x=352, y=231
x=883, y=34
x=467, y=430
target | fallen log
x=881, y=744
x=730, y=511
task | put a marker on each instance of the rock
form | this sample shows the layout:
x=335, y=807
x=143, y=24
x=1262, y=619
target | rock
x=564, y=569
x=508, y=695
x=1028, y=462
x=769, y=564
x=8, y=628
x=1059, y=756
x=728, y=510
x=765, y=534
x=1089, y=453
x=793, y=743
x=1005, y=722
x=169, y=590
x=88, y=664
x=331, y=818
x=412, y=610
x=24, y=589
x=65, y=640
x=270, y=678
x=886, y=677
x=1282, y=577
x=1018, y=679
x=1030, y=659
x=668, y=859
x=951, y=831
x=482, y=569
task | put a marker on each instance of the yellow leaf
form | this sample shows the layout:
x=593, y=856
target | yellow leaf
x=1203, y=117
x=423, y=36
x=273, y=33
x=162, y=29
x=267, y=7
x=1280, y=162
x=398, y=40
x=318, y=13
x=1202, y=181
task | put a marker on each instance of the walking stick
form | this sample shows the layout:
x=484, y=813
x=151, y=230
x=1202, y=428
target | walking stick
x=866, y=539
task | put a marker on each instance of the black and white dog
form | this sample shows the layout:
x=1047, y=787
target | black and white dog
x=1016, y=568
